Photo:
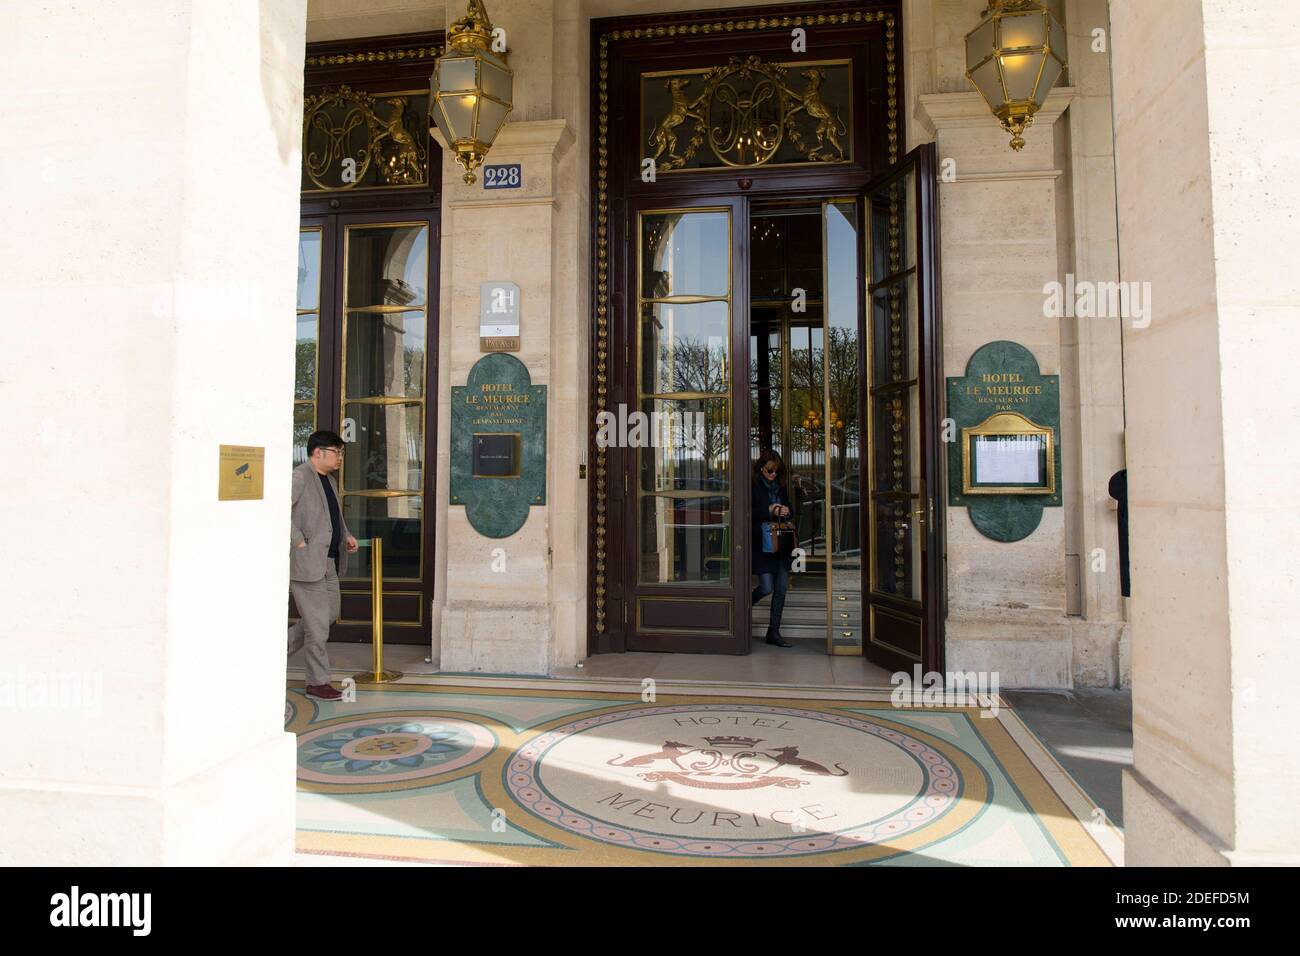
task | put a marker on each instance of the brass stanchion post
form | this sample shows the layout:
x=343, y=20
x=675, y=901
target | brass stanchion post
x=377, y=674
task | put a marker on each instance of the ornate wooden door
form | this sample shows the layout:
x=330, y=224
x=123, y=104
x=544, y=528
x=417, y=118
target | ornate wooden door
x=903, y=590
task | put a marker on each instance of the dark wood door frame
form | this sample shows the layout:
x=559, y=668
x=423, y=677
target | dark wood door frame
x=922, y=162
x=406, y=601
x=379, y=65
x=869, y=33
x=638, y=635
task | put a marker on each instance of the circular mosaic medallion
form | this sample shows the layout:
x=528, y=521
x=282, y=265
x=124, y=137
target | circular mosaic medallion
x=384, y=751
x=742, y=780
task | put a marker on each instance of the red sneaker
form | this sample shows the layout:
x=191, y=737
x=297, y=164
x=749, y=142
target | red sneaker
x=323, y=692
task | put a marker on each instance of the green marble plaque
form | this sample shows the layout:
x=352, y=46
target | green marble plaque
x=1003, y=377
x=498, y=445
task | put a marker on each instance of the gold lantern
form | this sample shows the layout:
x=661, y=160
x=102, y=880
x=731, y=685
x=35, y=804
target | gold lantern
x=470, y=90
x=1014, y=57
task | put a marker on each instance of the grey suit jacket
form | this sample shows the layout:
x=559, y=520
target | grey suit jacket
x=310, y=523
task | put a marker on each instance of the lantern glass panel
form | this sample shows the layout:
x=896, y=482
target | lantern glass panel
x=459, y=112
x=1056, y=37
x=496, y=81
x=1022, y=29
x=456, y=73
x=490, y=117
x=1051, y=71
x=1020, y=71
x=442, y=124
x=980, y=43
x=988, y=81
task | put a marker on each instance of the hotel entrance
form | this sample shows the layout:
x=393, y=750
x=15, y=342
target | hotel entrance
x=367, y=316
x=775, y=288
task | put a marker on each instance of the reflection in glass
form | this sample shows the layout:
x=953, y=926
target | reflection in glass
x=786, y=375
x=304, y=385
x=304, y=423
x=397, y=521
x=684, y=348
x=385, y=355
x=307, y=345
x=685, y=540
x=843, y=426
x=309, y=269
x=786, y=255
x=385, y=328
x=387, y=265
x=388, y=448
x=685, y=254
x=686, y=447
x=766, y=385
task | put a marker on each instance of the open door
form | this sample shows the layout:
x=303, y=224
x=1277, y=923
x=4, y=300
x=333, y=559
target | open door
x=686, y=476
x=903, y=590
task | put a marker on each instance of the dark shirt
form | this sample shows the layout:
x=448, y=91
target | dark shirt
x=336, y=523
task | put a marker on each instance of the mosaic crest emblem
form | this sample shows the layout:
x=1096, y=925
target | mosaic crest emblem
x=744, y=780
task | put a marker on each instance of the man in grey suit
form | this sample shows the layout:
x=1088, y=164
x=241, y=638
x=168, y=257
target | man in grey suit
x=318, y=556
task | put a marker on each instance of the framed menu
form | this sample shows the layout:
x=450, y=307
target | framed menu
x=1008, y=454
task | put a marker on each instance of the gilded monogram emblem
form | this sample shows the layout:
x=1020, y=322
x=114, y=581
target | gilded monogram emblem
x=349, y=135
x=745, y=112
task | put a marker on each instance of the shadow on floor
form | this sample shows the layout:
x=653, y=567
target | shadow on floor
x=1090, y=731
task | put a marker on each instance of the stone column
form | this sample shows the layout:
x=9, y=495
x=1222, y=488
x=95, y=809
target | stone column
x=1207, y=128
x=529, y=617
x=497, y=616
x=1092, y=362
x=150, y=237
x=1000, y=235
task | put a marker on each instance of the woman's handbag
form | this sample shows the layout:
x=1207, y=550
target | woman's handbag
x=778, y=537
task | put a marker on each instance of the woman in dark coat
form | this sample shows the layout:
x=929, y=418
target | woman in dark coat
x=769, y=502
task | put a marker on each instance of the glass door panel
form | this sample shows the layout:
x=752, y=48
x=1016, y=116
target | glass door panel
x=306, y=358
x=843, y=431
x=684, y=495
x=787, y=389
x=689, y=561
x=385, y=322
x=895, y=393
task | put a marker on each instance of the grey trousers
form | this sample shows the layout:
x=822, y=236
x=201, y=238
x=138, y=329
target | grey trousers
x=318, y=608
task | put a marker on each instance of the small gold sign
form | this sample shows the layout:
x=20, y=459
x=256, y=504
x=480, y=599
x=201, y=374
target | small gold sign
x=499, y=343
x=240, y=477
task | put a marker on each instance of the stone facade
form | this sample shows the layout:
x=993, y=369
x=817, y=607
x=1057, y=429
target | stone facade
x=1034, y=610
x=158, y=357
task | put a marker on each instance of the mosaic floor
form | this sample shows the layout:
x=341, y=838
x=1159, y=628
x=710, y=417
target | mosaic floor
x=520, y=775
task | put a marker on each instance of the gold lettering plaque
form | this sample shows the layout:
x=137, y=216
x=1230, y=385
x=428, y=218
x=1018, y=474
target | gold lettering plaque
x=241, y=472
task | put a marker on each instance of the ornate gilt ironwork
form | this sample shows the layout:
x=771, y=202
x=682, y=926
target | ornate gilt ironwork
x=374, y=56
x=745, y=111
x=372, y=130
x=600, y=389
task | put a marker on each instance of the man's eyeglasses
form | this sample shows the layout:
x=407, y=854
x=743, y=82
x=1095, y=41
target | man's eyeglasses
x=337, y=451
